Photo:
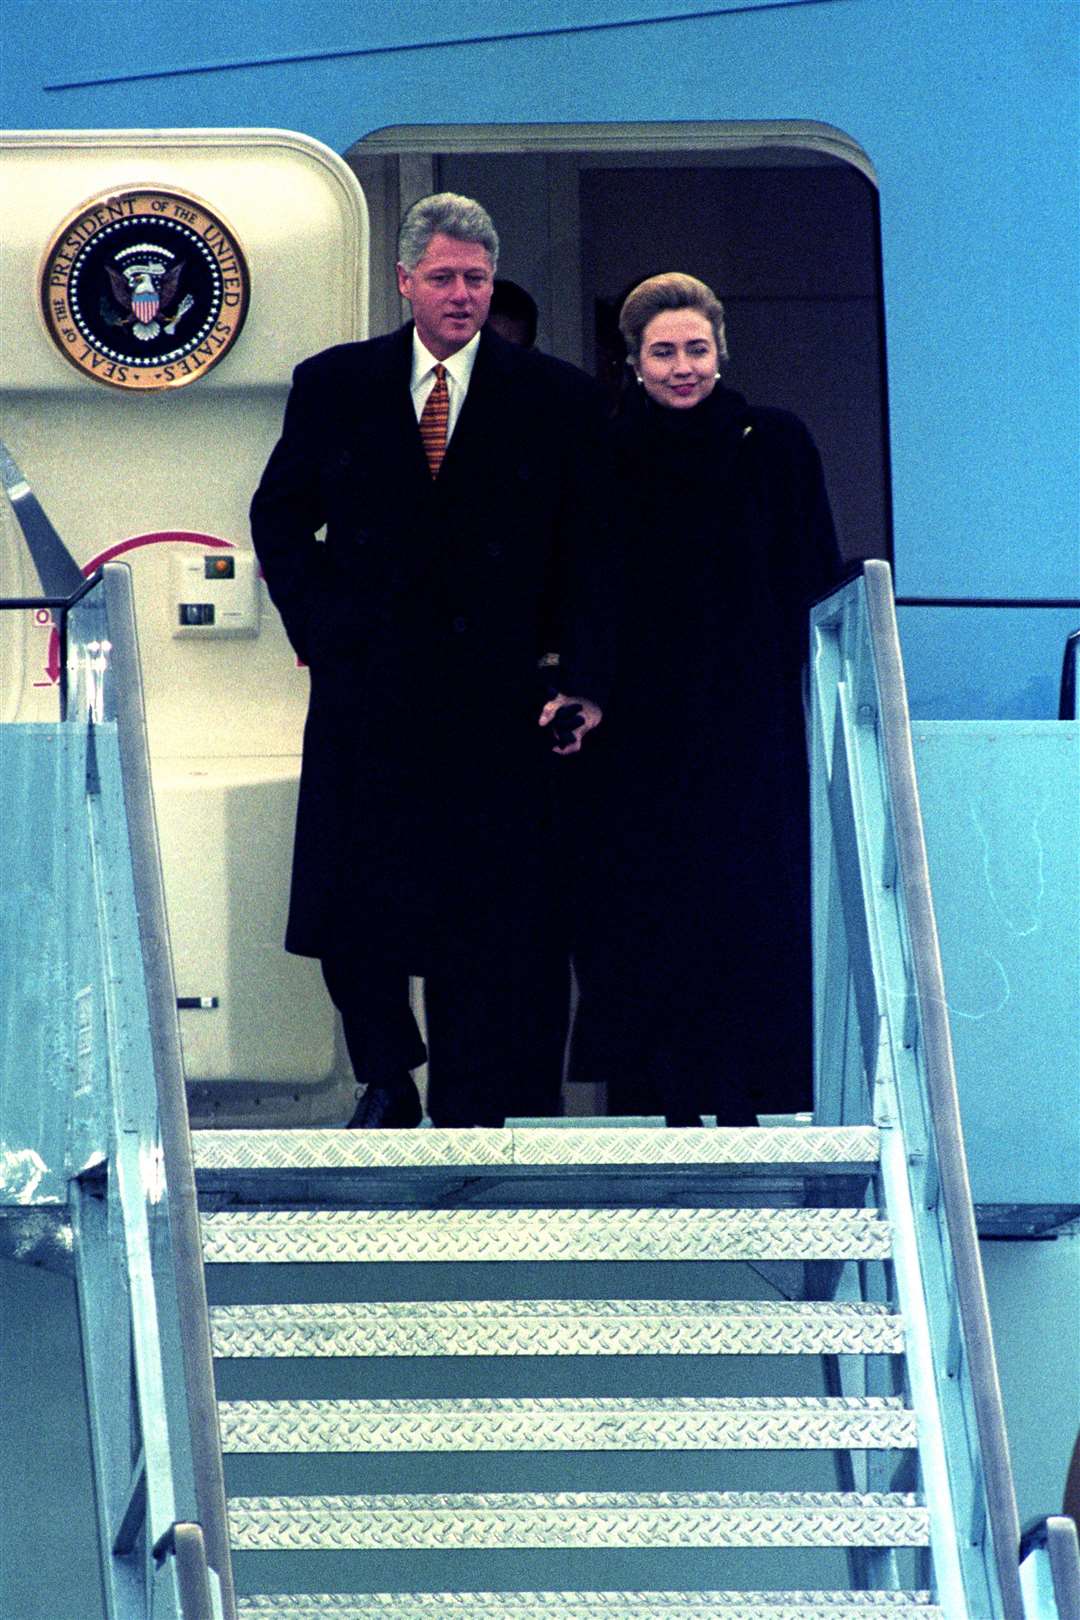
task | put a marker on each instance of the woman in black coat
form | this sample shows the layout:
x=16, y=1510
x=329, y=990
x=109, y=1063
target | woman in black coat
x=695, y=965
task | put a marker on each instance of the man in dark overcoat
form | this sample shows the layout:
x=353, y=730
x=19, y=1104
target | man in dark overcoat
x=460, y=481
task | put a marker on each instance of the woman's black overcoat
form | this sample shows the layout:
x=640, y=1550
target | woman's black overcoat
x=696, y=972
x=423, y=795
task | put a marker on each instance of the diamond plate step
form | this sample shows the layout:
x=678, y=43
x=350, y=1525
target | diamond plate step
x=558, y=1327
x=571, y=1519
x=603, y=1424
x=263, y=1236
x=594, y=1606
x=828, y=1147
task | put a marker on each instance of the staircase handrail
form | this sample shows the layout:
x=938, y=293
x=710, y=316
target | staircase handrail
x=60, y=607
x=903, y=1053
x=1050, y=1567
x=106, y=686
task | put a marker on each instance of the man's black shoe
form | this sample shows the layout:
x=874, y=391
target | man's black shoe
x=388, y=1108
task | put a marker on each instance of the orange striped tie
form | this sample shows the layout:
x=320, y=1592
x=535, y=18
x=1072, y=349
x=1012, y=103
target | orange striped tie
x=433, y=420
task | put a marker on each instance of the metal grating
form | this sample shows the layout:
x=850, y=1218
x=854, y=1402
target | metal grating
x=566, y=1425
x=568, y=1327
x=568, y=1519
x=307, y=1150
x=461, y=1235
x=823, y=1146
x=594, y=1606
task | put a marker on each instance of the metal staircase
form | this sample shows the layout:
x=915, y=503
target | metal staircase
x=574, y=1229
x=591, y=1371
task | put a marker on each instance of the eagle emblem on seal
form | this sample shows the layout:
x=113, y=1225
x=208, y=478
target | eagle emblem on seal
x=145, y=289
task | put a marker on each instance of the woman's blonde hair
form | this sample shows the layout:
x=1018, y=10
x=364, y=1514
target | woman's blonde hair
x=672, y=290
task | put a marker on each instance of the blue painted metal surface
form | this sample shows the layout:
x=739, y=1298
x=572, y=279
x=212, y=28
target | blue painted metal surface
x=883, y=1054
x=1001, y=808
x=967, y=111
x=82, y=1126
x=984, y=663
x=1069, y=692
x=42, y=961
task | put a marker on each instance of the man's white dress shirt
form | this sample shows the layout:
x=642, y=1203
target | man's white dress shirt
x=458, y=372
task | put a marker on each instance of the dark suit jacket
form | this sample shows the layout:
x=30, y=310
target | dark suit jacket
x=422, y=617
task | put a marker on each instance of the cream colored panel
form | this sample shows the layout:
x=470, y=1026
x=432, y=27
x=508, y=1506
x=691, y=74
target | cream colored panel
x=111, y=466
x=296, y=210
x=176, y=467
x=222, y=826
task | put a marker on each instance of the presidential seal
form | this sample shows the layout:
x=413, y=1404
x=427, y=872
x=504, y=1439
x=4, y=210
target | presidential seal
x=144, y=289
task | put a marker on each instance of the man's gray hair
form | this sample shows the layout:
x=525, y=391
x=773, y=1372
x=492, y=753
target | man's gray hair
x=450, y=215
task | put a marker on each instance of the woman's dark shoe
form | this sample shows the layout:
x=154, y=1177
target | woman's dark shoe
x=679, y=1119
x=388, y=1107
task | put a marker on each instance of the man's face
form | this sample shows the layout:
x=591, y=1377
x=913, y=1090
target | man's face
x=450, y=291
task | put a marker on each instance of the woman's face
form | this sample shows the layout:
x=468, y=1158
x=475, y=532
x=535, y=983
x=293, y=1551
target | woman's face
x=677, y=363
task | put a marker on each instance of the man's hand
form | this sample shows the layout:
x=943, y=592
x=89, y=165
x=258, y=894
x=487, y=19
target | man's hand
x=587, y=719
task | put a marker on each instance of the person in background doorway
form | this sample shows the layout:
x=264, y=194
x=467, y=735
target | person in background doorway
x=513, y=313
x=694, y=962
x=460, y=479
x=515, y=317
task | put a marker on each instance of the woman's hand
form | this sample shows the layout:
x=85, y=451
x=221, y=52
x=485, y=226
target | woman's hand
x=587, y=719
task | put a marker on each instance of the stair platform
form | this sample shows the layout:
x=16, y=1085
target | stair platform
x=601, y=1163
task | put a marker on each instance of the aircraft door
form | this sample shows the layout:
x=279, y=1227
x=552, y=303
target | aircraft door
x=159, y=288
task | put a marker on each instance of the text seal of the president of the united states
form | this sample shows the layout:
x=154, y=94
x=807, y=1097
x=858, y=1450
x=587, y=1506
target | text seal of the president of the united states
x=144, y=289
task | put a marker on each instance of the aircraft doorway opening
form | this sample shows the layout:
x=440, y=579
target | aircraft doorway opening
x=780, y=219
